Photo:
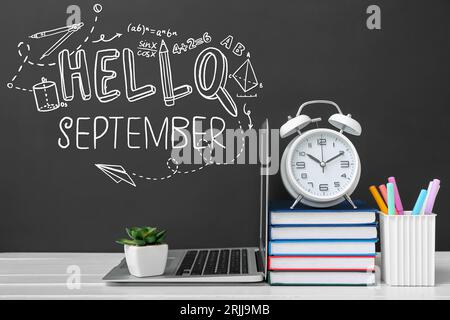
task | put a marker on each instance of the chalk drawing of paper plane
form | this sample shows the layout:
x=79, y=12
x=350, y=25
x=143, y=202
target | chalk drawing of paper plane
x=245, y=76
x=116, y=172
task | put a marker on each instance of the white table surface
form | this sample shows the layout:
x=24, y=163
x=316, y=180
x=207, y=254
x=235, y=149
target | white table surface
x=44, y=276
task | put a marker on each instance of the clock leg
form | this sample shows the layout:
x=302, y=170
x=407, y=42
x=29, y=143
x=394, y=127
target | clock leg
x=347, y=197
x=300, y=197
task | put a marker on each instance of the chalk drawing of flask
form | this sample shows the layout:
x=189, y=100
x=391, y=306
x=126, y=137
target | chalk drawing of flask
x=46, y=96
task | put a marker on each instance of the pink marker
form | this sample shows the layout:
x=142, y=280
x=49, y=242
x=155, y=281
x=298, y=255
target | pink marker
x=398, y=201
x=432, y=197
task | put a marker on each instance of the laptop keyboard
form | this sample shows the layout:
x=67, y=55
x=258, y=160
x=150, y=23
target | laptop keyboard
x=199, y=262
x=210, y=266
x=187, y=262
x=209, y=262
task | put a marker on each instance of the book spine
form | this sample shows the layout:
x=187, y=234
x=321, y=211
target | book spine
x=272, y=283
x=325, y=269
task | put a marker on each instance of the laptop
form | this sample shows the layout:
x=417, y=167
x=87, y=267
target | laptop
x=215, y=265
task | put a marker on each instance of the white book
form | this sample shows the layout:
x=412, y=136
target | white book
x=322, y=278
x=322, y=247
x=328, y=263
x=323, y=232
x=320, y=217
x=343, y=213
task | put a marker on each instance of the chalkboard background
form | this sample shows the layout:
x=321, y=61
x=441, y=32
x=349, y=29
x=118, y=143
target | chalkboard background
x=395, y=81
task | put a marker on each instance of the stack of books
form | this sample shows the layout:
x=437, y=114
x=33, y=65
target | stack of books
x=332, y=246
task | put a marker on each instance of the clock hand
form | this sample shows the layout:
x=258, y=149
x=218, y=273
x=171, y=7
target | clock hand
x=335, y=157
x=322, y=164
x=314, y=158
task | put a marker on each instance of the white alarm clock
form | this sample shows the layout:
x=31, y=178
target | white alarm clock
x=320, y=167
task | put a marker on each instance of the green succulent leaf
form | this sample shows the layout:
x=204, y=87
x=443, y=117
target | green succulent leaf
x=133, y=232
x=131, y=242
x=141, y=236
x=140, y=242
x=123, y=241
x=150, y=239
x=129, y=231
x=148, y=231
x=161, y=234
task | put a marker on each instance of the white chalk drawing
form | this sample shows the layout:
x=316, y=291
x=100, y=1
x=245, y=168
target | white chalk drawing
x=67, y=32
x=216, y=89
x=170, y=93
x=25, y=59
x=166, y=177
x=46, y=96
x=232, y=161
x=102, y=38
x=176, y=170
x=25, y=55
x=238, y=49
x=129, y=70
x=55, y=31
x=247, y=95
x=72, y=72
x=245, y=75
x=81, y=132
x=147, y=49
x=248, y=114
x=191, y=44
x=11, y=84
x=101, y=91
x=143, y=29
x=208, y=160
x=116, y=172
x=97, y=8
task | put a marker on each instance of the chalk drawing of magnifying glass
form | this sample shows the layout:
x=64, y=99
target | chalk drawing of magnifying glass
x=216, y=88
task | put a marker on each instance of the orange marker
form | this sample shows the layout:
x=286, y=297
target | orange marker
x=383, y=192
x=380, y=202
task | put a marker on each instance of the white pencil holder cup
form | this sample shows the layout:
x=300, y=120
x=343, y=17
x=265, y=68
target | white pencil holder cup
x=407, y=249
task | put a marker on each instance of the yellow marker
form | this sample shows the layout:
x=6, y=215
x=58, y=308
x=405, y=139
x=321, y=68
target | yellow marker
x=373, y=190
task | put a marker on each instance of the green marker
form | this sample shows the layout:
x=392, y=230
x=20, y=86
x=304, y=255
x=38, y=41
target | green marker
x=390, y=199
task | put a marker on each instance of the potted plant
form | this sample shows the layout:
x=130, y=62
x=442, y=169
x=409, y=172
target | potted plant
x=145, y=252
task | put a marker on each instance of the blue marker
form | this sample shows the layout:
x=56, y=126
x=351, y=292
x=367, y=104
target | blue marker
x=390, y=199
x=420, y=201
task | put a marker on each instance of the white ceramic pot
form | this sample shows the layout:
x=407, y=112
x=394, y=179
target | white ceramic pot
x=146, y=261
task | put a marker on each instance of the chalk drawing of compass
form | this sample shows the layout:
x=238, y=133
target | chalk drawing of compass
x=245, y=76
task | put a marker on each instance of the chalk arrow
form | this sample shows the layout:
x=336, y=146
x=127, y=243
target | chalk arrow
x=116, y=172
x=102, y=38
x=248, y=114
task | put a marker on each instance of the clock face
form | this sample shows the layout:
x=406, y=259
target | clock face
x=323, y=165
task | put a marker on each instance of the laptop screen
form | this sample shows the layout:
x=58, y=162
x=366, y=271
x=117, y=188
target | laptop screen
x=264, y=135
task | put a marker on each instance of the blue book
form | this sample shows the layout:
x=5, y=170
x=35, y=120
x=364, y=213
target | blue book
x=341, y=214
x=321, y=247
